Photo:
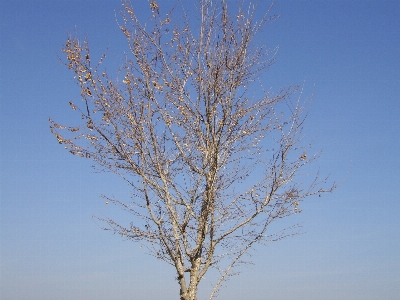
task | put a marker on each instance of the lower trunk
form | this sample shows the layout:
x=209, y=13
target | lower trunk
x=191, y=294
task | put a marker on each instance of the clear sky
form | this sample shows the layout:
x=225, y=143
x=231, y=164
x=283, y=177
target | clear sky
x=347, y=54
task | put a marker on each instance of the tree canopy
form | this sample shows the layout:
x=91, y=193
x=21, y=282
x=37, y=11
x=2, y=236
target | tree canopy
x=181, y=124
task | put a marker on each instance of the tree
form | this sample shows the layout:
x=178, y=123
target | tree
x=185, y=132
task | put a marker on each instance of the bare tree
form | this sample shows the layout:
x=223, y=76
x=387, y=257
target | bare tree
x=182, y=128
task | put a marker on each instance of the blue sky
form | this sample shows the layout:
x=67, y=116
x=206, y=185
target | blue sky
x=347, y=54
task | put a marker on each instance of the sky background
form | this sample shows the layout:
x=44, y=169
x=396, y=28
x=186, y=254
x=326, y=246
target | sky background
x=347, y=55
